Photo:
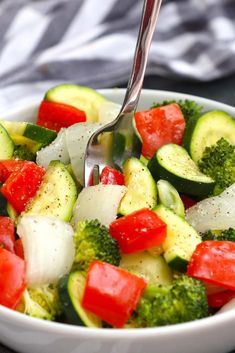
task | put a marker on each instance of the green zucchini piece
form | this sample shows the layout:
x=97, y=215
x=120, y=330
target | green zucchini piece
x=169, y=197
x=206, y=131
x=71, y=288
x=153, y=269
x=32, y=131
x=40, y=134
x=56, y=195
x=173, y=163
x=141, y=187
x=181, y=239
x=80, y=97
x=14, y=127
x=6, y=143
x=32, y=145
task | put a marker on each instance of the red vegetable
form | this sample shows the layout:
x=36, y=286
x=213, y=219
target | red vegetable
x=9, y=166
x=187, y=201
x=22, y=185
x=19, y=250
x=12, y=278
x=7, y=233
x=111, y=176
x=217, y=300
x=112, y=293
x=138, y=231
x=159, y=126
x=214, y=261
x=54, y=116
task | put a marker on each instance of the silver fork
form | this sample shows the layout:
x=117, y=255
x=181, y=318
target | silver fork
x=113, y=143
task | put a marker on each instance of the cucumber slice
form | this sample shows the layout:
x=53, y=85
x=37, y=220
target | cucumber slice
x=56, y=195
x=32, y=131
x=206, y=131
x=40, y=134
x=153, y=269
x=181, y=239
x=6, y=143
x=71, y=288
x=169, y=197
x=173, y=163
x=32, y=146
x=80, y=97
x=141, y=187
x=14, y=127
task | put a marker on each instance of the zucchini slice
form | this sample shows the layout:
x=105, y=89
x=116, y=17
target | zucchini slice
x=141, y=187
x=71, y=288
x=56, y=195
x=173, y=163
x=32, y=145
x=32, y=131
x=206, y=131
x=80, y=97
x=153, y=269
x=6, y=143
x=181, y=239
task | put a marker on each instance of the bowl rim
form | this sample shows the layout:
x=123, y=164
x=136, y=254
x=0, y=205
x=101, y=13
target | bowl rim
x=9, y=315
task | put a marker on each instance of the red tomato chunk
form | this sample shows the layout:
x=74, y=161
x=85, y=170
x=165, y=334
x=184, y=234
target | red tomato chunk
x=7, y=233
x=7, y=167
x=55, y=116
x=138, y=231
x=12, y=278
x=22, y=185
x=159, y=126
x=112, y=293
x=111, y=176
x=214, y=261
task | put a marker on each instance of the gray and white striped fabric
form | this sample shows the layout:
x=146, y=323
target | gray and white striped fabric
x=91, y=42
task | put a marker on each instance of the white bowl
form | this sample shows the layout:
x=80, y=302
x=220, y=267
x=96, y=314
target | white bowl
x=28, y=335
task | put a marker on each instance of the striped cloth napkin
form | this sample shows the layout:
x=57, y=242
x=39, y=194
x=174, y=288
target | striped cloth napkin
x=44, y=42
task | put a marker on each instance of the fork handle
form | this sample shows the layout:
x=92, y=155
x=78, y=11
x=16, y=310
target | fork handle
x=147, y=27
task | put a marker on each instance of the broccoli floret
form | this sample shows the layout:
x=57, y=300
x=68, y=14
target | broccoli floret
x=22, y=152
x=227, y=235
x=189, y=108
x=41, y=302
x=218, y=162
x=93, y=242
x=184, y=300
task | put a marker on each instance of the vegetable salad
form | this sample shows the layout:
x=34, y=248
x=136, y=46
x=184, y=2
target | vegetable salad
x=148, y=244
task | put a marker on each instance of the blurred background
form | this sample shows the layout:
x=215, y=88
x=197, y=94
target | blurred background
x=91, y=42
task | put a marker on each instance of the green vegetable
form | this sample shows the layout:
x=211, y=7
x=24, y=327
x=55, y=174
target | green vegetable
x=93, y=242
x=184, y=300
x=71, y=289
x=42, y=302
x=218, y=162
x=227, y=235
x=172, y=162
x=189, y=108
x=22, y=152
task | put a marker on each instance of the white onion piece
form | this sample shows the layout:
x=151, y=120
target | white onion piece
x=227, y=307
x=98, y=202
x=57, y=150
x=48, y=248
x=214, y=213
x=108, y=111
x=77, y=137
